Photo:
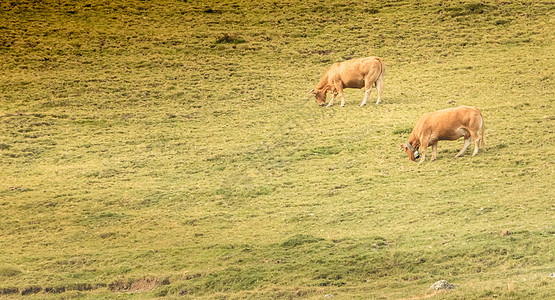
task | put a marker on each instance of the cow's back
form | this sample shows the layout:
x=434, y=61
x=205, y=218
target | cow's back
x=353, y=72
x=446, y=119
x=460, y=112
x=359, y=65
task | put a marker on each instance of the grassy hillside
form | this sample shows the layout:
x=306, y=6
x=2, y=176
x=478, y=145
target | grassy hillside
x=170, y=148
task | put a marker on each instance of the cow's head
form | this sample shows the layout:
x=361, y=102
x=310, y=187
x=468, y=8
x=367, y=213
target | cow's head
x=320, y=96
x=411, y=151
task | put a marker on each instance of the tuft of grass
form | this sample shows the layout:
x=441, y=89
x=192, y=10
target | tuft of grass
x=9, y=271
x=402, y=131
x=300, y=239
x=229, y=39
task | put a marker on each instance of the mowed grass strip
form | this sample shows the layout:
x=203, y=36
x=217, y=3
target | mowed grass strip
x=171, y=148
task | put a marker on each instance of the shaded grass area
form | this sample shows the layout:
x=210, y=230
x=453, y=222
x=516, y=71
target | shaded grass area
x=170, y=149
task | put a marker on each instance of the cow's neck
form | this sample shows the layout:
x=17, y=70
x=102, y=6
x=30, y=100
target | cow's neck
x=323, y=85
x=415, y=143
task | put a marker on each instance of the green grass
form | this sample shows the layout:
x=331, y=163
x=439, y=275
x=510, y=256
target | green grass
x=170, y=148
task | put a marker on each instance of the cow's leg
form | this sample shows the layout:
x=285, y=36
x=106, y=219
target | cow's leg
x=342, y=99
x=476, y=142
x=474, y=127
x=476, y=139
x=424, y=145
x=467, y=141
x=434, y=151
x=379, y=87
x=366, y=94
x=333, y=95
x=340, y=92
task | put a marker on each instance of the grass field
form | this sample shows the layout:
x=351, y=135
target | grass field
x=170, y=148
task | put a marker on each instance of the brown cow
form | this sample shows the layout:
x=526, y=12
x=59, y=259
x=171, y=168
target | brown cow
x=355, y=73
x=447, y=124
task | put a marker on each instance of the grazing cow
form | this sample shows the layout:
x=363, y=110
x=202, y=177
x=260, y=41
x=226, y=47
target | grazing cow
x=447, y=124
x=355, y=73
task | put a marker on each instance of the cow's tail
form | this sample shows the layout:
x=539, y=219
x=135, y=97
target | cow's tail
x=482, y=138
x=382, y=70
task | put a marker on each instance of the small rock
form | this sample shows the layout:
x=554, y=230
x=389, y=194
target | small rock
x=329, y=295
x=442, y=285
x=451, y=102
x=552, y=275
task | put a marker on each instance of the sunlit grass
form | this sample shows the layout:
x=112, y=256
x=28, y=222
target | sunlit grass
x=171, y=149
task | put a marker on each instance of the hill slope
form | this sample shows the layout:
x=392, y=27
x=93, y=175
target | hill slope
x=170, y=148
